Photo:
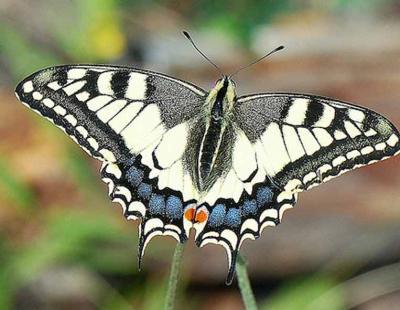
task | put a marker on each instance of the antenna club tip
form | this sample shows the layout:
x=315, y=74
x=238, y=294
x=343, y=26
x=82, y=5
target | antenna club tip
x=280, y=48
x=186, y=34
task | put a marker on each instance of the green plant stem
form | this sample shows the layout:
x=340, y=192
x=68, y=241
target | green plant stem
x=174, y=277
x=244, y=284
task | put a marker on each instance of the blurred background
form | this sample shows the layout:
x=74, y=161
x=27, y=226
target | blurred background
x=64, y=245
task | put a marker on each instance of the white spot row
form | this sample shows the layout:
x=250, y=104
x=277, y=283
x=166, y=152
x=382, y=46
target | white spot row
x=356, y=115
x=82, y=96
x=392, y=141
x=73, y=88
x=76, y=73
x=54, y=85
x=49, y=103
x=27, y=87
x=37, y=96
x=351, y=155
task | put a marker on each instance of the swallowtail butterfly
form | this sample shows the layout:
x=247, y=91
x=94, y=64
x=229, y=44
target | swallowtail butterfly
x=178, y=157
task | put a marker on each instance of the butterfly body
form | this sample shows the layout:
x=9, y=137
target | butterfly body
x=219, y=103
x=179, y=158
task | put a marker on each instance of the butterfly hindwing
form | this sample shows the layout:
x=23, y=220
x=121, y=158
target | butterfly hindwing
x=137, y=123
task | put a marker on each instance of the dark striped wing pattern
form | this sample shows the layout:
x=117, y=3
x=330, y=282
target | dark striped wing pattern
x=145, y=127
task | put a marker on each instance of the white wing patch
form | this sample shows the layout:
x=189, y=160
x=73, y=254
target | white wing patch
x=125, y=116
x=73, y=88
x=272, y=151
x=76, y=73
x=98, y=102
x=27, y=87
x=106, y=113
x=227, y=187
x=293, y=143
x=351, y=129
x=323, y=136
x=136, y=89
x=104, y=83
x=243, y=157
x=144, y=129
x=393, y=139
x=297, y=111
x=309, y=142
x=48, y=103
x=231, y=187
x=171, y=147
x=356, y=115
x=339, y=135
x=82, y=96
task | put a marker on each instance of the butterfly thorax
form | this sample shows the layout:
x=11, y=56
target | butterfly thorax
x=219, y=104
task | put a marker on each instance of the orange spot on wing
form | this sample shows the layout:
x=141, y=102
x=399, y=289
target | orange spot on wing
x=189, y=214
x=201, y=216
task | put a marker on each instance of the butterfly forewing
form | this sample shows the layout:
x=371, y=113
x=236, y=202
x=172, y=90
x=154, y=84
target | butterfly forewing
x=304, y=140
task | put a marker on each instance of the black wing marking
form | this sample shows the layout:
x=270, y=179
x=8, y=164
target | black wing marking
x=126, y=118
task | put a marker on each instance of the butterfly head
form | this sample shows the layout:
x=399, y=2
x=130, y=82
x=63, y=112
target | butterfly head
x=223, y=93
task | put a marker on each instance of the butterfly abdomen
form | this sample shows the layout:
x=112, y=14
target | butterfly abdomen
x=209, y=150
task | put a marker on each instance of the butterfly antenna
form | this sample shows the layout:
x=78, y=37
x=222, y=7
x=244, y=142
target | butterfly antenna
x=258, y=60
x=187, y=35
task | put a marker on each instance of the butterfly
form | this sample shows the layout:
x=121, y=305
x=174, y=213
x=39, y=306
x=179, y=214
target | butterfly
x=178, y=158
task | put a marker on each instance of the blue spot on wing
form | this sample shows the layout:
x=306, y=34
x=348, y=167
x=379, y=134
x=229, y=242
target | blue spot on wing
x=264, y=196
x=157, y=204
x=217, y=215
x=144, y=191
x=249, y=207
x=134, y=176
x=233, y=217
x=174, y=207
x=129, y=161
